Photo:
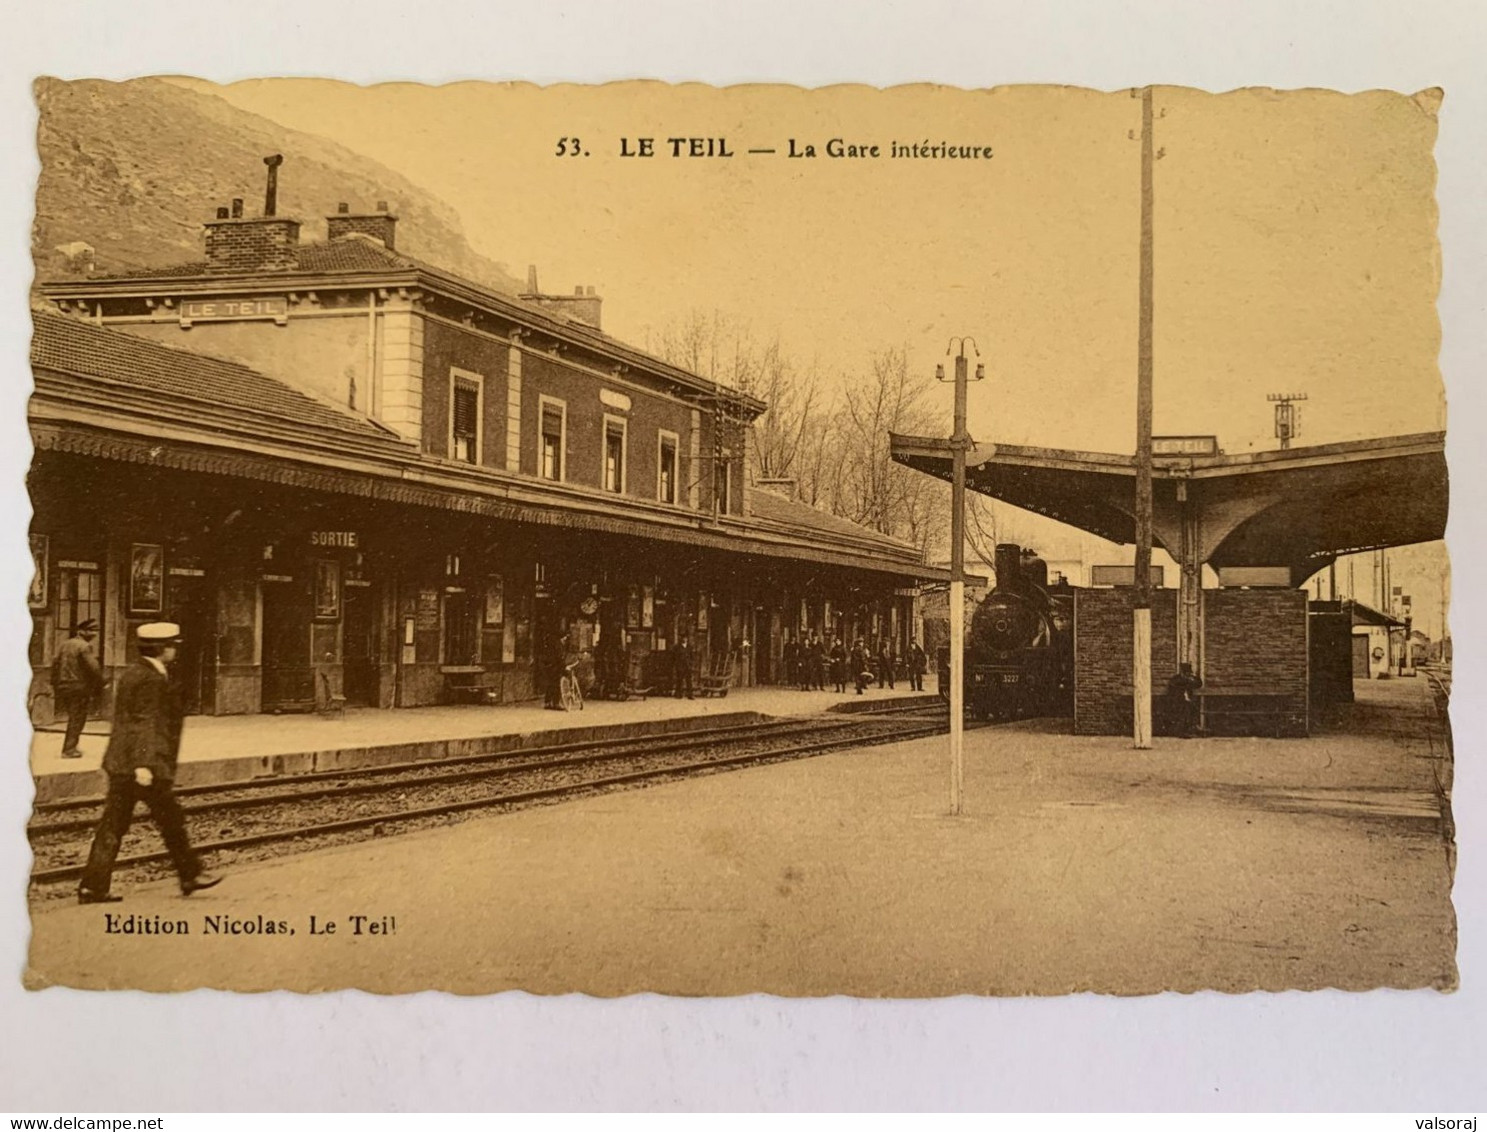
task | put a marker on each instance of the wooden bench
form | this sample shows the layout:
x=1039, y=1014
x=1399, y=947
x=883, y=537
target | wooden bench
x=1269, y=712
x=472, y=685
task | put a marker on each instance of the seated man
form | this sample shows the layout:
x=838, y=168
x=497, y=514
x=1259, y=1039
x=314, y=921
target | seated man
x=1182, y=700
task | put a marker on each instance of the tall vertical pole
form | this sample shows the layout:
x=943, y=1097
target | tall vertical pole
x=1141, y=614
x=959, y=439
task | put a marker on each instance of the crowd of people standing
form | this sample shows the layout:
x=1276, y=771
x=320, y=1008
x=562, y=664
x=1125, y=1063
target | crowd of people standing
x=810, y=662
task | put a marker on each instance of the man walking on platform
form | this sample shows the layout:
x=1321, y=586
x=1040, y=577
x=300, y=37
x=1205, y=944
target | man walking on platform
x=76, y=681
x=141, y=766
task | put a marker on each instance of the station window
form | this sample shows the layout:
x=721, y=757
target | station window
x=464, y=417
x=666, y=468
x=551, y=438
x=614, y=454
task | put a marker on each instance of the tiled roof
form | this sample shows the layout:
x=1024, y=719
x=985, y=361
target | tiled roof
x=357, y=254
x=109, y=394
x=350, y=255
x=71, y=346
x=775, y=508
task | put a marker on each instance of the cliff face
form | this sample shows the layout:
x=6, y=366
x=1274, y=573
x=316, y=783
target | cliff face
x=129, y=171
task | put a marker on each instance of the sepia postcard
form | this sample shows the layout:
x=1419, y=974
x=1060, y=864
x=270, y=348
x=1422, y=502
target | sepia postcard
x=895, y=543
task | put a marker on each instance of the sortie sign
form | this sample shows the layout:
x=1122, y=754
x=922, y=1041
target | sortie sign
x=337, y=540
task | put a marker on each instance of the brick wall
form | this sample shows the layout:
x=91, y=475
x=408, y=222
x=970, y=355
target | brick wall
x=1256, y=640
x=580, y=392
x=445, y=348
x=1102, y=656
x=249, y=244
x=706, y=465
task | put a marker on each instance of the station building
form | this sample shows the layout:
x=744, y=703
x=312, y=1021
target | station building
x=351, y=475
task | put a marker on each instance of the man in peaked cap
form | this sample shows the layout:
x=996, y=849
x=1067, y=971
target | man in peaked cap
x=141, y=765
x=76, y=681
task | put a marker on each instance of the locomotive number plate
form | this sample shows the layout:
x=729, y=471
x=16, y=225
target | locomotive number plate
x=1011, y=678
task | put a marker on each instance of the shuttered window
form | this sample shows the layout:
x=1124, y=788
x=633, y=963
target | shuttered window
x=465, y=422
x=552, y=442
x=614, y=456
x=666, y=481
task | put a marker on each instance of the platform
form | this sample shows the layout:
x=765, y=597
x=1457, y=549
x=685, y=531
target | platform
x=237, y=747
x=1079, y=864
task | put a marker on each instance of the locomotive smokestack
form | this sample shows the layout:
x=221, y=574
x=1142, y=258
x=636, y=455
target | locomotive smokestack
x=1007, y=561
x=271, y=191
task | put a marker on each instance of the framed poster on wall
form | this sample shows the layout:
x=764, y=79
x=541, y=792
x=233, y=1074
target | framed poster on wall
x=327, y=588
x=146, y=577
x=495, y=599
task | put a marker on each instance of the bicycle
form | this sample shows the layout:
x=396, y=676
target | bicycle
x=570, y=693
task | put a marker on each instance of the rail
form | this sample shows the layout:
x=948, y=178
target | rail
x=250, y=815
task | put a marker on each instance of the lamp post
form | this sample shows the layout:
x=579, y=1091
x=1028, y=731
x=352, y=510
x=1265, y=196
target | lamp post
x=960, y=441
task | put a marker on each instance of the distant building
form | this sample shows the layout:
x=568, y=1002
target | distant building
x=1377, y=642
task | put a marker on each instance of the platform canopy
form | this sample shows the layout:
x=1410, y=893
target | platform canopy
x=1300, y=507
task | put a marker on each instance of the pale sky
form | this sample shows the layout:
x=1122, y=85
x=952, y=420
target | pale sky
x=1295, y=237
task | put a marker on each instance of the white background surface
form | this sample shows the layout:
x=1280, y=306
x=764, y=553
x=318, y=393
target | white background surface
x=68, y=1051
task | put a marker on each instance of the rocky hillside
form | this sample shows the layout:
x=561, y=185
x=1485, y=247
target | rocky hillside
x=129, y=171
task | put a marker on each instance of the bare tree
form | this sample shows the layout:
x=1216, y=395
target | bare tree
x=793, y=416
x=871, y=489
x=835, y=448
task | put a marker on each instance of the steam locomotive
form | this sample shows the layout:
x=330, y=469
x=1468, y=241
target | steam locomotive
x=1020, y=647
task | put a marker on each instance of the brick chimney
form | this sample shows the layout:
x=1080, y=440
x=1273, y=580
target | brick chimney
x=380, y=225
x=265, y=243
x=261, y=243
x=581, y=306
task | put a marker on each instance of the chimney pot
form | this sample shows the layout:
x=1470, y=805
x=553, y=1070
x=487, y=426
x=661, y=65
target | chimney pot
x=381, y=206
x=343, y=208
x=222, y=213
x=237, y=208
x=271, y=189
x=532, y=279
x=578, y=290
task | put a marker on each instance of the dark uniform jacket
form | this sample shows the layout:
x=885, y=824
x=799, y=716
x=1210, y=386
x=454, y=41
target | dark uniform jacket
x=147, y=723
x=75, y=667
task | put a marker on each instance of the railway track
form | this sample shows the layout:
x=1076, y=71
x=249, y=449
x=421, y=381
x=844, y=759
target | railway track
x=264, y=817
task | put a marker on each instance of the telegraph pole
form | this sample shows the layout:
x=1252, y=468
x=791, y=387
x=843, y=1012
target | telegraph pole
x=960, y=441
x=1141, y=613
x=1287, y=417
